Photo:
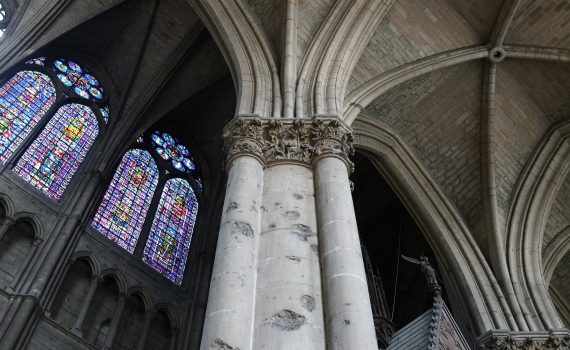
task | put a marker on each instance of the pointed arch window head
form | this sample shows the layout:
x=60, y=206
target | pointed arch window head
x=53, y=158
x=122, y=212
x=166, y=249
x=24, y=100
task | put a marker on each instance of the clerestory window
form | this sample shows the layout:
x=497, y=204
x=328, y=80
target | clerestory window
x=61, y=107
x=153, y=194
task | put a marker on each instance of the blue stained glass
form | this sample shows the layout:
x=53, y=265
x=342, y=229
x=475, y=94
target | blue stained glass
x=39, y=61
x=75, y=66
x=156, y=140
x=166, y=249
x=91, y=79
x=105, y=112
x=64, y=80
x=169, y=148
x=122, y=211
x=24, y=100
x=53, y=158
x=96, y=93
x=81, y=93
x=72, y=75
x=189, y=164
x=60, y=66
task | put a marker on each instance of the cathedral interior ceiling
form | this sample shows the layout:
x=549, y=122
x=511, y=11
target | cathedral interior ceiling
x=160, y=54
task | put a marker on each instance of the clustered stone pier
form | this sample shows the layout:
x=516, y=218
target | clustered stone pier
x=288, y=272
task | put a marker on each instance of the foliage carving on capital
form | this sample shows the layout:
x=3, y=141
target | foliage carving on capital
x=244, y=136
x=508, y=342
x=290, y=140
x=330, y=136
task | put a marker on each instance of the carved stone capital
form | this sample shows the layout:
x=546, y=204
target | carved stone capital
x=504, y=340
x=244, y=136
x=300, y=141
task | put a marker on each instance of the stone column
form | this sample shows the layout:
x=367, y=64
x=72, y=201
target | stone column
x=26, y=314
x=288, y=310
x=5, y=224
x=229, y=313
x=144, y=331
x=85, y=306
x=348, y=314
x=115, y=322
x=24, y=265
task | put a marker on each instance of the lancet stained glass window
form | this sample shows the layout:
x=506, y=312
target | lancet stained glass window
x=166, y=249
x=53, y=158
x=122, y=212
x=24, y=100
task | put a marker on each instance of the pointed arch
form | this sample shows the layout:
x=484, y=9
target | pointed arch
x=53, y=158
x=475, y=291
x=166, y=249
x=248, y=53
x=24, y=100
x=123, y=210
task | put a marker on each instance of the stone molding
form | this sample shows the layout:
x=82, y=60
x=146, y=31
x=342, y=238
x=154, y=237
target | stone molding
x=301, y=141
x=505, y=340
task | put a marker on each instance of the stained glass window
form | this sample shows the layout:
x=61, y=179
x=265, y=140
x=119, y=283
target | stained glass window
x=123, y=210
x=78, y=79
x=24, y=100
x=105, y=112
x=38, y=61
x=53, y=158
x=169, y=148
x=166, y=249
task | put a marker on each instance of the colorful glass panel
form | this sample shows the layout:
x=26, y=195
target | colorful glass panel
x=105, y=112
x=169, y=148
x=24, y=100
x=74, y=76
x=53, y=158
x=166, y=249
x=122, y=211
x=38, y=61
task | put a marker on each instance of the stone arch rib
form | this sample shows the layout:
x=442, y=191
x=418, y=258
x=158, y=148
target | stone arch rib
x=450, y=238
x=534, y=195
x=248, y=53
x=333, y=54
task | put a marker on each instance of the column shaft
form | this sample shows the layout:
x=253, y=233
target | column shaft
x=288, y=312
x=85, y=306
x=144, y=332
x=115, y=322
x=5, y=223
x=231, y=301
x=347, y=303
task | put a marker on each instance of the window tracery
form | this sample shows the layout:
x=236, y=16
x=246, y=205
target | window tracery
x=36, y=100
x=169, y=179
